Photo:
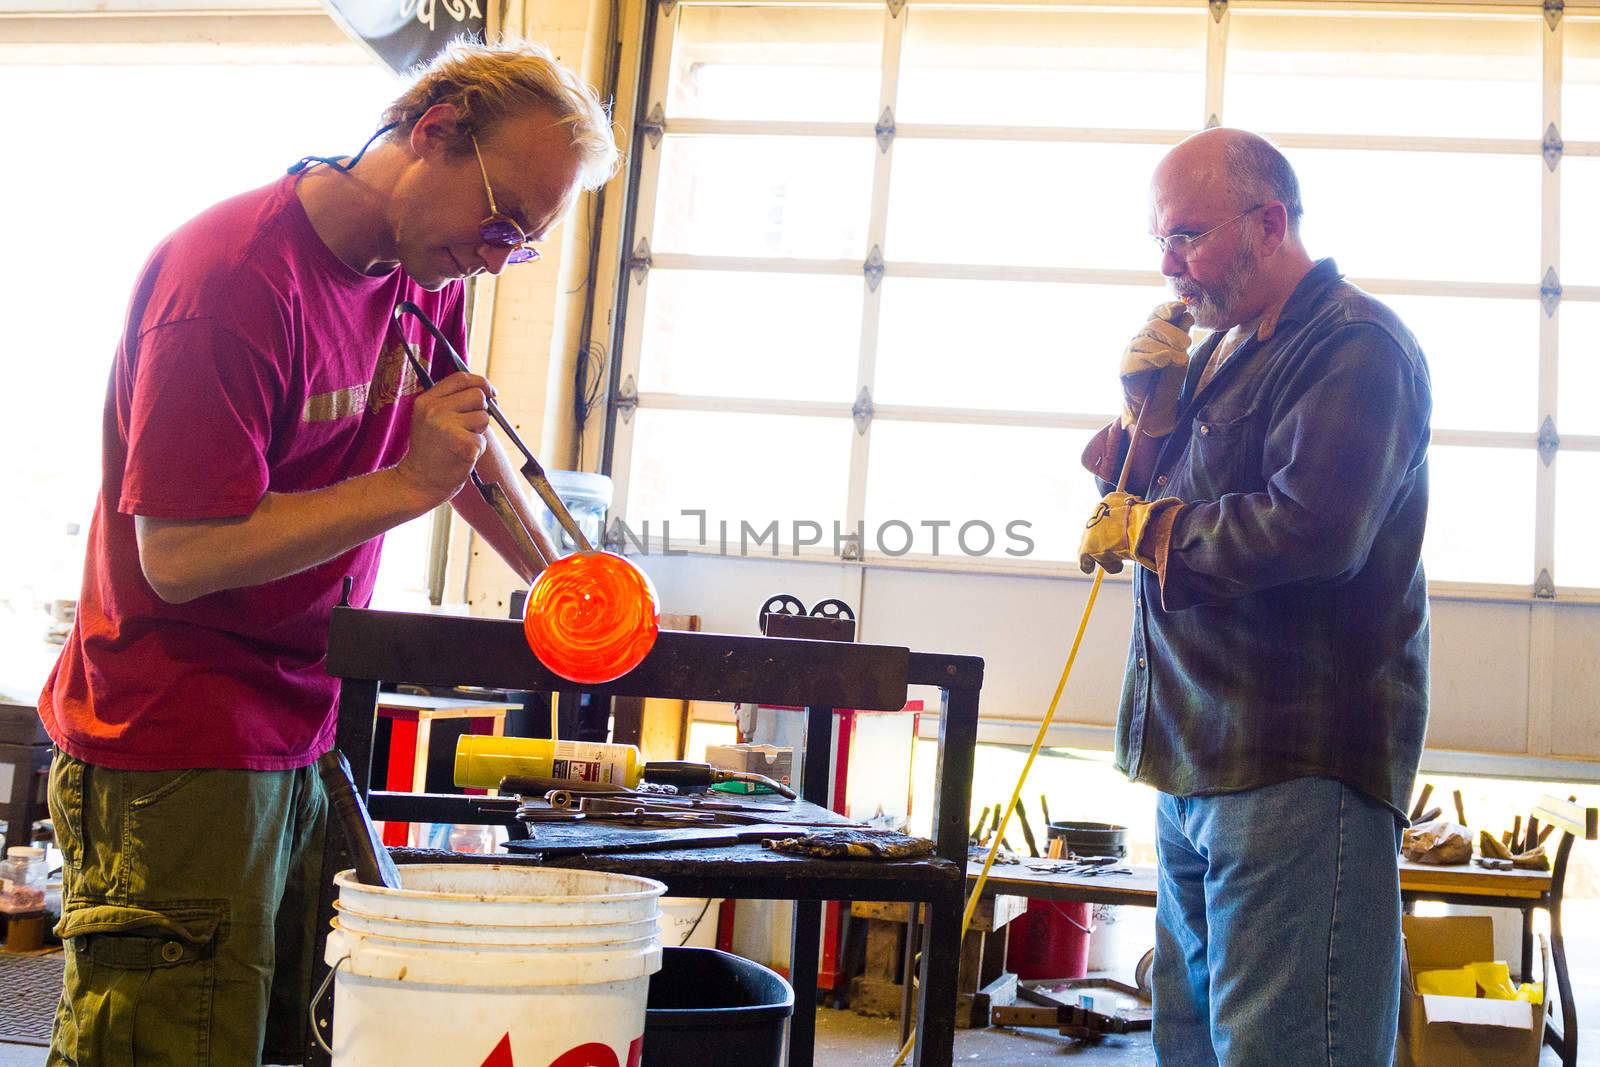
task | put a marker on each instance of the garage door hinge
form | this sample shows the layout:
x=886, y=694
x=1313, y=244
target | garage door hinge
x=1219, y=8
x=862, y=411
x=873, y=268
x=654, y=125
x=1552, y=146
x=1549, y=440
x=1550, y=292
x=639, y=262
x=1552, y=12
x=1544, y=588
x=627, y=398
x=885, y=129
x=850, y=546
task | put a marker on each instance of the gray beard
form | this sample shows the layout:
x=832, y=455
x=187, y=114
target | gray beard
x=1218, y=307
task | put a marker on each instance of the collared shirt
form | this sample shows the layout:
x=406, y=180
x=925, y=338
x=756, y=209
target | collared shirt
x=1286, y=633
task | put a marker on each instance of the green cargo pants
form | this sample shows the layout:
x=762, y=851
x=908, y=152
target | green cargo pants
x=188, y=913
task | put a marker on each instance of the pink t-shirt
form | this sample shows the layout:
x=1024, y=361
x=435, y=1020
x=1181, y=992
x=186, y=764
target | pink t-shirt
x=252, y=361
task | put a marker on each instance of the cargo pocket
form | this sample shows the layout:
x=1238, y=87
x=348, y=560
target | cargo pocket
x=139, y=983
x=65, y=799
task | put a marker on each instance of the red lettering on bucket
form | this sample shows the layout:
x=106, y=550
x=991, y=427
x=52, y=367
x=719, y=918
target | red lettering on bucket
x=594, y=1054
x=591, y=1054
x=501, y=1056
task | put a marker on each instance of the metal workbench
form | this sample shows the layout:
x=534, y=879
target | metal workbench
x=367, y=647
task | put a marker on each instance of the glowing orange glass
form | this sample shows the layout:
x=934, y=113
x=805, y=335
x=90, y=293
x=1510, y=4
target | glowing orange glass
x=591, y=617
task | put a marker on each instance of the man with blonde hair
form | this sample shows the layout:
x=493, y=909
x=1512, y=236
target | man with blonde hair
x=263, y=429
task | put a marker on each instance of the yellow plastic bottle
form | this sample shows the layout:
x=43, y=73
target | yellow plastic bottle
x=482, y=760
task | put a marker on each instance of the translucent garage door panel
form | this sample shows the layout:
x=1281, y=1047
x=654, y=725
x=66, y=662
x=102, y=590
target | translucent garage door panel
x=735, y=467
x=1577, y=520
x=1480, y=515
x=776, y=63
x=786, y=197
x=1026, y=346
x=1580, y=220
x=1579, y=390
x=1580, y=75
x=1483, y=356
x=717, y=333
x=1435, y=216
x=1451, y=75
x=1075, y=205
x=1054, y=68
x=990, y=476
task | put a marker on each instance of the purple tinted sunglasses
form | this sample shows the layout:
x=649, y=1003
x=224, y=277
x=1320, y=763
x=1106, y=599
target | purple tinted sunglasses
x=501, y=230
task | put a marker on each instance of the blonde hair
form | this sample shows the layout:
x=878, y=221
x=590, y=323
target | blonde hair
x=487, y=83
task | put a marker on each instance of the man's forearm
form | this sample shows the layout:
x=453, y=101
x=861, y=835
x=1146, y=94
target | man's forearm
x=287, y=533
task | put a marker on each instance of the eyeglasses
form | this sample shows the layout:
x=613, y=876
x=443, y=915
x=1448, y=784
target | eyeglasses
x=501, y=230
x=1182, y=245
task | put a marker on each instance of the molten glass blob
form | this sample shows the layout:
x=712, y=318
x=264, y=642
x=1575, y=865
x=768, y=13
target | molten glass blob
x=591, y=617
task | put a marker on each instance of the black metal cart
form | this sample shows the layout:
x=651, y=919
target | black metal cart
x=368, y=647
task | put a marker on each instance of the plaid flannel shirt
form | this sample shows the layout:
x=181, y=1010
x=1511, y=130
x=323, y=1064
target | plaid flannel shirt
x=1285, y=631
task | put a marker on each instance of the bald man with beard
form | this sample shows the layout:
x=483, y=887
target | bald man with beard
x=1276, y=691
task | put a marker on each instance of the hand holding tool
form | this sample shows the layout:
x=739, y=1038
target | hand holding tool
x=531, y=468
x=1153, y=368
x=1116, y=531
x=532, y=545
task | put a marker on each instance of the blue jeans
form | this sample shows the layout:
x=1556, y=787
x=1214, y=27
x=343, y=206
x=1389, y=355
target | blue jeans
x=1277, y=928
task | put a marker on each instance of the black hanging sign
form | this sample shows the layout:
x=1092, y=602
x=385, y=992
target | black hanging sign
x=405, y=33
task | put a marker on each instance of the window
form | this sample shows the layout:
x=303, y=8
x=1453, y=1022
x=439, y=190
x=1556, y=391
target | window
x=121, y=143
x=883, y=262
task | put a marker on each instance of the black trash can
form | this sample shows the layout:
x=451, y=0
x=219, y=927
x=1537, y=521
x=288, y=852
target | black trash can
x=708, y=1007
x=1092, y=838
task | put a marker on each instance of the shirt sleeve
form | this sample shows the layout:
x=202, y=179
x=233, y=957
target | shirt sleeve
x=200, y=424
x=1336, y=455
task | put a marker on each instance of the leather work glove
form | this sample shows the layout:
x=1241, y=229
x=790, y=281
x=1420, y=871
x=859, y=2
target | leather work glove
x=1153, y=368
x=1119, y=529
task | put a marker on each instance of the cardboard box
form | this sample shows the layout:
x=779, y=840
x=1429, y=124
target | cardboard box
x=1439, y=1031
x=774, y=762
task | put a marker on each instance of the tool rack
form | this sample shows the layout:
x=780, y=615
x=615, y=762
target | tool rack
x=366, y=648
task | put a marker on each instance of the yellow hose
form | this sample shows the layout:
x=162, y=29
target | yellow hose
x=1038, y=743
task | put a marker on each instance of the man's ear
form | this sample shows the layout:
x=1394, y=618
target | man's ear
x=435, y=131
x=1274, y=226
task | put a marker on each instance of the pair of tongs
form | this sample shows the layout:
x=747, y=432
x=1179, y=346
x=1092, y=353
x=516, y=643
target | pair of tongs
x=533, y=543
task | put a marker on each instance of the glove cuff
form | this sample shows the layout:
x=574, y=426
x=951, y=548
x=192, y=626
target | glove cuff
x=1150, y=531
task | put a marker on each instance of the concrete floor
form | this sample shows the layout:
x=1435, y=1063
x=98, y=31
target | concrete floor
x=845, y=1039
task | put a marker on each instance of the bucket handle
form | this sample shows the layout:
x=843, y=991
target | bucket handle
x=1060, y=914
x=322, y=991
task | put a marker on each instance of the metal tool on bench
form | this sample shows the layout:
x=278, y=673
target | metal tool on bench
x=605, y=807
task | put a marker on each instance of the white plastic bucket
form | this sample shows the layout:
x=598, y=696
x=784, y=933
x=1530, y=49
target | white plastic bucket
x=690, y=921
x=491, y=965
